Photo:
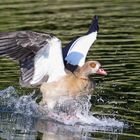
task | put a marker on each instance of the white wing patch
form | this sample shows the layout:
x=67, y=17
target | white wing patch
x=56, y=64
x=40, y=64
x=48, y=61
x=79, y=49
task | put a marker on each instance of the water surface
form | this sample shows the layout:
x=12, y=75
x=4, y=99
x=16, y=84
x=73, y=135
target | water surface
x=117, y=48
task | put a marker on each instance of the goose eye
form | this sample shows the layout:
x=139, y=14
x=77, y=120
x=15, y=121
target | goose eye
x=93, y=65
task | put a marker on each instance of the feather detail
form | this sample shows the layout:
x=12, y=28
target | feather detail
x=79, y=49
x=39, y=55
x=48, y=61
x=75, y=52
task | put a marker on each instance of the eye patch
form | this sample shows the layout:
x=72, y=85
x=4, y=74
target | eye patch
x=93, y=65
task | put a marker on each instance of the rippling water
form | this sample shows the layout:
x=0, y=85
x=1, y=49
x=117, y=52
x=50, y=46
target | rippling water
x=117, y=48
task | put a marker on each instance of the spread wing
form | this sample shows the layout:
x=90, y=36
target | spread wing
x=76, y=51
x=39, y=55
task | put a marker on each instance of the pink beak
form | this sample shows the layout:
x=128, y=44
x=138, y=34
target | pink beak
x=101, y=72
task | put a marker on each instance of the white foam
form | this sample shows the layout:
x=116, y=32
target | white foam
x=70, y=111
x=73, y=111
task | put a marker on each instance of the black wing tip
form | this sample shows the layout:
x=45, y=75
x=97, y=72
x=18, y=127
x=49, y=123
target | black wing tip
x=94, y=25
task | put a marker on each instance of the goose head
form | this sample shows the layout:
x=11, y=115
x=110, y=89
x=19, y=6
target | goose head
x=90, y=67
x=95, y=68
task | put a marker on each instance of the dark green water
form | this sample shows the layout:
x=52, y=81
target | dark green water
x=117, y=48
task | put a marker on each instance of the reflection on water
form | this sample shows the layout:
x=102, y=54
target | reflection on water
x=117, y=48
x=30, y=127
x=19, y=126
x=22, y=115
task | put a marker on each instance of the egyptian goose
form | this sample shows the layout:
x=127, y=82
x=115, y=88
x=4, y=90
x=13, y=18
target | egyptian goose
x=43, y=62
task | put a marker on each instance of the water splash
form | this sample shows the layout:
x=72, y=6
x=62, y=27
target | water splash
x=69, y=111
x=8, y=98
x=11, y=101
x=76, y=110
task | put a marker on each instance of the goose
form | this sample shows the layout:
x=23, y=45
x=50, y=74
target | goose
x=44, y=63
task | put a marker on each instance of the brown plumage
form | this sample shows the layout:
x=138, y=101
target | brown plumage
x=43, y=62
x=73, y=84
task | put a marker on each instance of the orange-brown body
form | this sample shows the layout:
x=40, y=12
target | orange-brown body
x=69, y=85
x=72, y=84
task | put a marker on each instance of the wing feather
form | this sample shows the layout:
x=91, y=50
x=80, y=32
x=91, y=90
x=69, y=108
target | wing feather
x=79, y=49
x=76, y=51
x=51, y=56
x=26, y=46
